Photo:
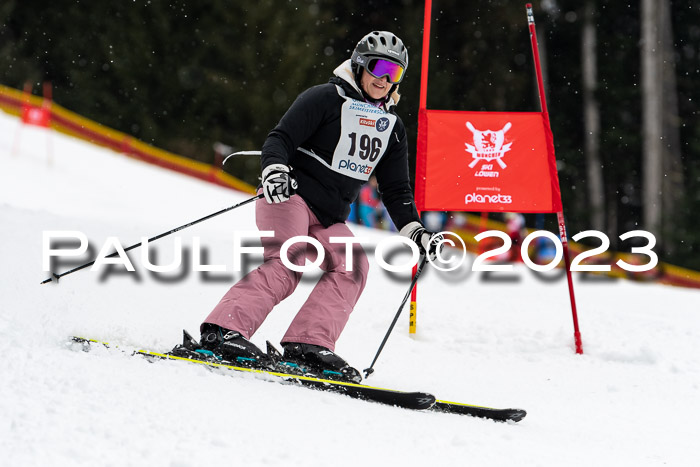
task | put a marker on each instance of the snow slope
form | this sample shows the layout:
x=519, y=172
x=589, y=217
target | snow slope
x=633, y=398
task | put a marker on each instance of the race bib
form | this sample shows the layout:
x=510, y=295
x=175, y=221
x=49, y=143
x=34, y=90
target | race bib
x=364, y=137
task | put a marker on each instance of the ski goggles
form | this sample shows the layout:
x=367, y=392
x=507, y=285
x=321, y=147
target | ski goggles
x=379, y=68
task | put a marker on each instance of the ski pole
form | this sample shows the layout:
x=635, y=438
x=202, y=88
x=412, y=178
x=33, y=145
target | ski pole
x=241, y=153
x=421, y=263
x=152, y=239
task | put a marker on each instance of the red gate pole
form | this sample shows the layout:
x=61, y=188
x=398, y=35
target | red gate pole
x=483, y=225
x=422, y=139
x=560, y=214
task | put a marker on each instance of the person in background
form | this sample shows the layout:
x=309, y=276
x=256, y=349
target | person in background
x=515, y=227
x=370, y=207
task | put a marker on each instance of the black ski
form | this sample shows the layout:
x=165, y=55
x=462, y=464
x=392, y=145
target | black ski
x=500, y=415
x=281, y=371
x=406, y=400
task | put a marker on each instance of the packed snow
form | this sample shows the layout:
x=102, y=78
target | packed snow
x=500, y=340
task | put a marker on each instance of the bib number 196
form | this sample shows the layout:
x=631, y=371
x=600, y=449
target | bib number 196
x=370, y=148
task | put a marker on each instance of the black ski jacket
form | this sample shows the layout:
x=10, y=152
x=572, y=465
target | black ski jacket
x=306, y=138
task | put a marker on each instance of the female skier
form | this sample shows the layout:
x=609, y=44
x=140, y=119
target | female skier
x=314, y=162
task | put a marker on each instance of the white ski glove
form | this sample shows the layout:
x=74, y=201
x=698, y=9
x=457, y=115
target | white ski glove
x=429, y=243
x=278, y=183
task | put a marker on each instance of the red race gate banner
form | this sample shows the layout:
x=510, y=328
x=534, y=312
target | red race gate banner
x=486, y=162
x=33, y=114
x=39, y=116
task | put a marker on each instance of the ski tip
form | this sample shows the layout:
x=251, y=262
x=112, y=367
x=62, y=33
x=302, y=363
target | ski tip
x=499, y=415
x=515, y=415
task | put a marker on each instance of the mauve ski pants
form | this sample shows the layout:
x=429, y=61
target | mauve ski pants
x=326, y=311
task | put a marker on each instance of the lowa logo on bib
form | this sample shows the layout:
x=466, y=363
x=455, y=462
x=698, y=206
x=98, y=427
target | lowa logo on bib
x=364, y=137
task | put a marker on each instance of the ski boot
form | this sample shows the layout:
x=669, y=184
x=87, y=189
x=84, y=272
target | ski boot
x=232, y=347
x=321, y=360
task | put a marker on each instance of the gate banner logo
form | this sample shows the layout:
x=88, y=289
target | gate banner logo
x=488, y=145
x=486, y=162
